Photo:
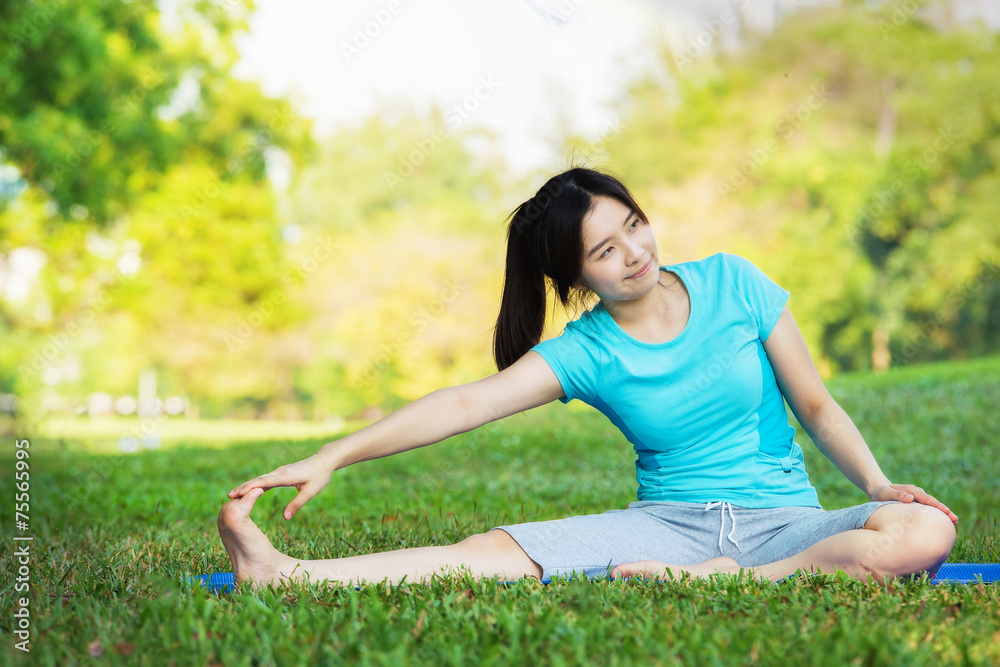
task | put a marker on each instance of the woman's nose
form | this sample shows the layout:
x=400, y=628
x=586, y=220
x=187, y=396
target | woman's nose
x=634, y=252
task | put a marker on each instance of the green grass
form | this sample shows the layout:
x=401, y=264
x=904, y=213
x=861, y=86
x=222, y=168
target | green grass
x=114, y=534
x=105, y=434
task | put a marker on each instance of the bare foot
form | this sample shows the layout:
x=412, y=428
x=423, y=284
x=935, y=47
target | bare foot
x=253, y=556
x=651, y=569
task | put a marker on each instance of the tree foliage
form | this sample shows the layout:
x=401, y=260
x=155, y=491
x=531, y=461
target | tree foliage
x=850, y=153
x=141, y=177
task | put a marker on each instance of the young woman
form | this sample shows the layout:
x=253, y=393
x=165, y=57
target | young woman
x=693, y=363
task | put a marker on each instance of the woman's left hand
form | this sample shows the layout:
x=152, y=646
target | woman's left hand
x=908, y=493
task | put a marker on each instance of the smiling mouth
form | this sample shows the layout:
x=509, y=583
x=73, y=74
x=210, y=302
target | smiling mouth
x=641, y=271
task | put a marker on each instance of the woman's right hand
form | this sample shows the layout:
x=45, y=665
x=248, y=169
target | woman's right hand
x=309, y=476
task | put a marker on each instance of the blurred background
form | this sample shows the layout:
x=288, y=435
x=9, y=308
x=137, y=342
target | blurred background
x=216, y=212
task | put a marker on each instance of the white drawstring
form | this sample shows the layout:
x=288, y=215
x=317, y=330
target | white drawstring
x=712, y=505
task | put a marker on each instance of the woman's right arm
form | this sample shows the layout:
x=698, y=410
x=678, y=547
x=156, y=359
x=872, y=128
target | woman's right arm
x=527, y=383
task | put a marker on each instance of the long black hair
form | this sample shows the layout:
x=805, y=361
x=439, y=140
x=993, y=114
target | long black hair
x=545, y=240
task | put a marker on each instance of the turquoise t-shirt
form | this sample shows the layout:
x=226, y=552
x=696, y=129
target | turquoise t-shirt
x=703, y=411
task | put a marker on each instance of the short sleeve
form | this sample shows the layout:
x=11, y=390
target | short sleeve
x=764, y=298
x=575, y=363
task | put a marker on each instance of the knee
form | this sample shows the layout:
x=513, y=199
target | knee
x=490, y=542
x=934, y=536
x=914, y=538
x=502, y=552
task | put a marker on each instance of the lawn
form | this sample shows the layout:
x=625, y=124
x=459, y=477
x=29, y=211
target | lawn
x=115, y=533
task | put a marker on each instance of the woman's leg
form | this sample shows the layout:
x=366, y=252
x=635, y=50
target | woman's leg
x=897, y=540
x=254, y=558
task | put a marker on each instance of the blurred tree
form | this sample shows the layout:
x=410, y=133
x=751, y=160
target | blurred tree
x=99, y=98
x=855, y=164
x=407, y=302
x=137, y=167
x=852, y=162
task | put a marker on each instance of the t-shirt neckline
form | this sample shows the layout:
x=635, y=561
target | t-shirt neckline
x=609, y=322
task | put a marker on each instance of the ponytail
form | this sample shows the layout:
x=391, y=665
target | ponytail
x=545, y=240
x=522, y=307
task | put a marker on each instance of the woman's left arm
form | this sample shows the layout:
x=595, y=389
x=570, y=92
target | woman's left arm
x=825, y=421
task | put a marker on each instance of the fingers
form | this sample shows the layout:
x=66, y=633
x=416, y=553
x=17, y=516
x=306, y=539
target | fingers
x=951, y=515
x=262, y=482
x=894, y=492
x=242, y=489
x=915, y=493
x=304, y=495
x=927, y=499
x=909, y=493
x=246, y=487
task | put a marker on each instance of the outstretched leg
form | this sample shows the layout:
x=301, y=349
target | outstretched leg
x=255, y=559
x=898, y=540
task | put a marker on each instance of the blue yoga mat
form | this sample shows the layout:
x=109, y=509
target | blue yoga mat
x=219, y=582
x=956, y=573
x=967, y=573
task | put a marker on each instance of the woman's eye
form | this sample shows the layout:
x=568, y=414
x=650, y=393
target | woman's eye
x=605, y=253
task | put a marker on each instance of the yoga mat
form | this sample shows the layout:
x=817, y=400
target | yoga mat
x=219, y=582
x=956, y=573
x=967, y=573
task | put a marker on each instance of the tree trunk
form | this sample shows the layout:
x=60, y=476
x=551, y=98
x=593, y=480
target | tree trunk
x=886, y=121
x=881, y=358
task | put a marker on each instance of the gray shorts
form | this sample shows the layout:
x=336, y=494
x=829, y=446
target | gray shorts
x=679, y=534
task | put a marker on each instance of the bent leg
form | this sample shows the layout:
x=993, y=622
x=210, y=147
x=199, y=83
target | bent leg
x=254, y=558
x=898, y=540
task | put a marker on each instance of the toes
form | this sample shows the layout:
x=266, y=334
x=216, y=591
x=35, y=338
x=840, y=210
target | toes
x=251, y=496
x=229, y=514
x=235, y=511
x=626, y=570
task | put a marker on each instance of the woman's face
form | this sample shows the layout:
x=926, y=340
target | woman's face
x=619, y=252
